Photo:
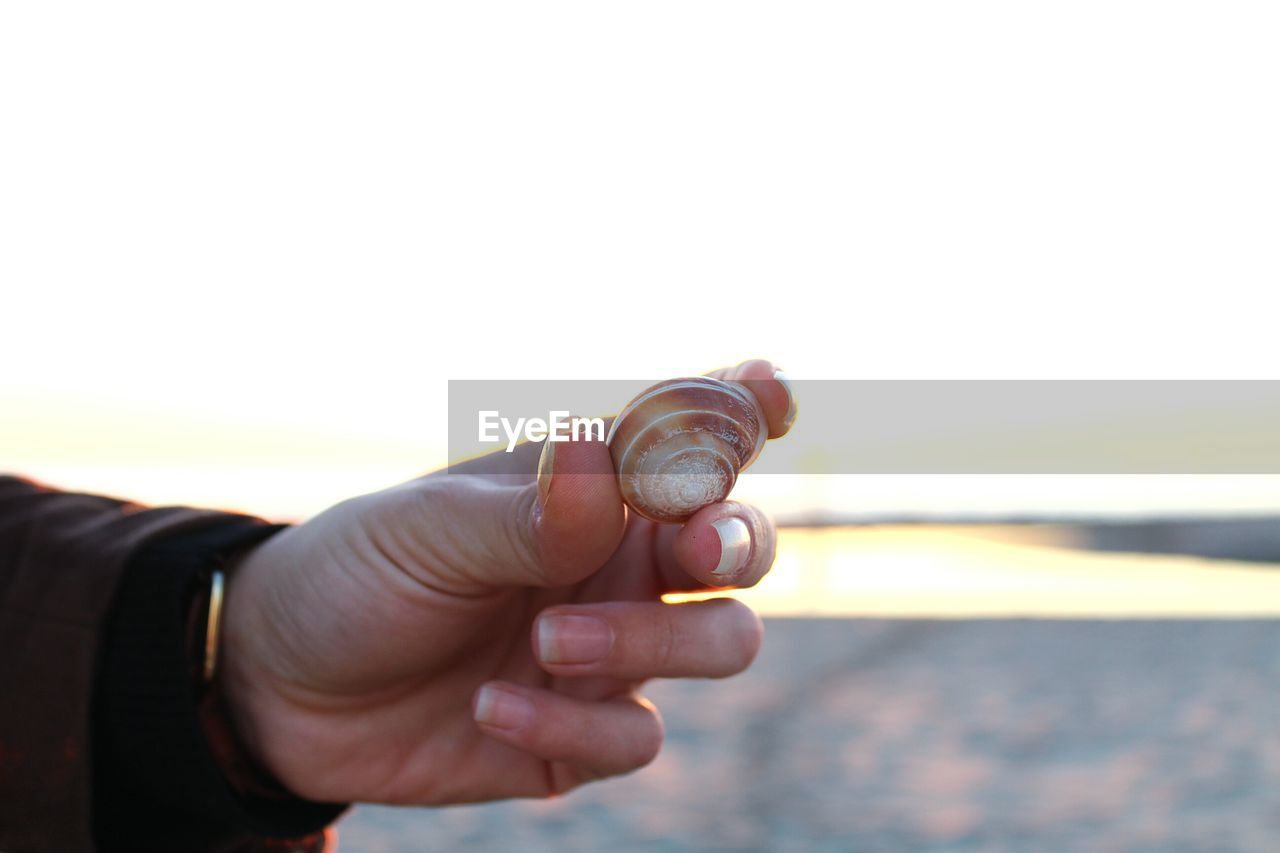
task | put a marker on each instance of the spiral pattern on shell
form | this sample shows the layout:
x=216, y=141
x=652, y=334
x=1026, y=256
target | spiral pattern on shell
x=680, y=444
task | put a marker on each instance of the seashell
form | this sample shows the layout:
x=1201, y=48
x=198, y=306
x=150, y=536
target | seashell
x=679, y=445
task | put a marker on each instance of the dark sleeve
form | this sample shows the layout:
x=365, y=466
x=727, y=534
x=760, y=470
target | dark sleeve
x=69, y=610
x=60, y=558
x=157, y=783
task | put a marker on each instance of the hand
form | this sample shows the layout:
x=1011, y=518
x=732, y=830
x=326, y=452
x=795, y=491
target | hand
x=458, y=639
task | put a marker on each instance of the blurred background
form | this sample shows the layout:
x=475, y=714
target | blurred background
x=244, y=247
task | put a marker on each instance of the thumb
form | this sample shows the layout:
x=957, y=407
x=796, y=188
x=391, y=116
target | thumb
x=578, y=516
x=552, y=532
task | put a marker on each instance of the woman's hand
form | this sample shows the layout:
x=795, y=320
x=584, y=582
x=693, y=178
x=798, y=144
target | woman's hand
x=464, y=638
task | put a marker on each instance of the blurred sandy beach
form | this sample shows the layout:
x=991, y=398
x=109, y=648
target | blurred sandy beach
x=867, y=734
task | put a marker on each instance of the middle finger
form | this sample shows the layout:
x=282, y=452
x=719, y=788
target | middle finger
x=636, y=640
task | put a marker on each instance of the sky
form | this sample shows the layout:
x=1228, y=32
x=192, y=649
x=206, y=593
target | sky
x=243, y=248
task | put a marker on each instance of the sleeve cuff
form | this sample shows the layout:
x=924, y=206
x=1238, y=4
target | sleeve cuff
x=156, y=777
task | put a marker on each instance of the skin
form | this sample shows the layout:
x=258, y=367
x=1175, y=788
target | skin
x=355, y=645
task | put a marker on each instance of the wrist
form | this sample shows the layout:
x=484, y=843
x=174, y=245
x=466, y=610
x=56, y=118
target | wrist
x=243, y=771
x=225, y=709
x=153, y=762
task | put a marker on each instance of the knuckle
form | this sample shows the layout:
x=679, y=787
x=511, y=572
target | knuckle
x=764, y=547
x=744, y=634
x=564, y=778
x=524, y=542
x=750, y=638
x=649, y=739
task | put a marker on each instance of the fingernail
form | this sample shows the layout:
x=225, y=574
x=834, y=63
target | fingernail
x=573, y=639
x=503, y=709
x=735, y=545
x=545, y=463
x=790, y=417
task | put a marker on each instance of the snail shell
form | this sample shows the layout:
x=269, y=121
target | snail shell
x=679, y=445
